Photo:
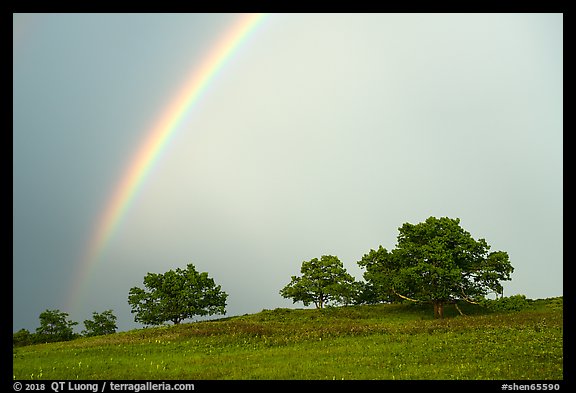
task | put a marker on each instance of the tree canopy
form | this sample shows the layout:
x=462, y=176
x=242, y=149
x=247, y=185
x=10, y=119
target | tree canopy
x=323, y=280
x=175, y=296
x=436, y=261
x=100, y=324
x=55, y=326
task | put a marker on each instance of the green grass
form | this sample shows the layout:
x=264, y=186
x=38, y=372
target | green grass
x=398, y=341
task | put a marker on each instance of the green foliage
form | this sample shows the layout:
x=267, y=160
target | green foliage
x=103, y=323
x=552, y=303
x=22, y=337
x=382, y=341
x=437, y=262
x=323, y=281
x=175, y=296
x=54, y=326
x=379, y=274
x=510, y=303
x=367, y=293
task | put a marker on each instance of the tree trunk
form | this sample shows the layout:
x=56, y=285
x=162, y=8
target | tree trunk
x=438, y=309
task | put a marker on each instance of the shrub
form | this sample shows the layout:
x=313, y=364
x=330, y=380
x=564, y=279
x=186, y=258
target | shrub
x=510, y=303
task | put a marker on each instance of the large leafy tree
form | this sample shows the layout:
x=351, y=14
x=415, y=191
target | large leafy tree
x=175, y=296
x=322, y=281
x=437, y=261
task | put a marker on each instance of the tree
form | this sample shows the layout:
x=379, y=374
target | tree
x=22, y=337
x=175, y=296
x=322, y=281
x=438, y=262
x=101, y=324
x=54, y=326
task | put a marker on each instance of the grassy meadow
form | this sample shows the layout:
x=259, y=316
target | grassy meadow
x=384, y=341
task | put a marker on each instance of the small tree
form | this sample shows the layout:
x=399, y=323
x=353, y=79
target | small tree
x=101, y=324
x=322, y=281
x=22, y=337
x=54, y=326
x=175, y=296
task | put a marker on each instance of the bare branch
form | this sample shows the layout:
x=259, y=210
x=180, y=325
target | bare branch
x=458, y=308
x=404, y=297
x=467, y=299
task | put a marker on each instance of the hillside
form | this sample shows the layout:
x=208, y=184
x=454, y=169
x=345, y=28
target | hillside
x=385, y=341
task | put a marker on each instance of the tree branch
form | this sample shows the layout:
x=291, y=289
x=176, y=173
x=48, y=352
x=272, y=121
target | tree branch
x=458, y=308
x=404, y=297
x=466, y=298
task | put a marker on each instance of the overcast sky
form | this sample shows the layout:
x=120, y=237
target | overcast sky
x=322, y=134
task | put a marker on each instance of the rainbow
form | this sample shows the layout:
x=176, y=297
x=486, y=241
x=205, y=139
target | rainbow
x=155, y=141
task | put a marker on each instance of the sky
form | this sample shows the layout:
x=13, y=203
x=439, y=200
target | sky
x=318, y=134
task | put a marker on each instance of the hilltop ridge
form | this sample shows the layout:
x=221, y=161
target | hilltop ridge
x=383, y=341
